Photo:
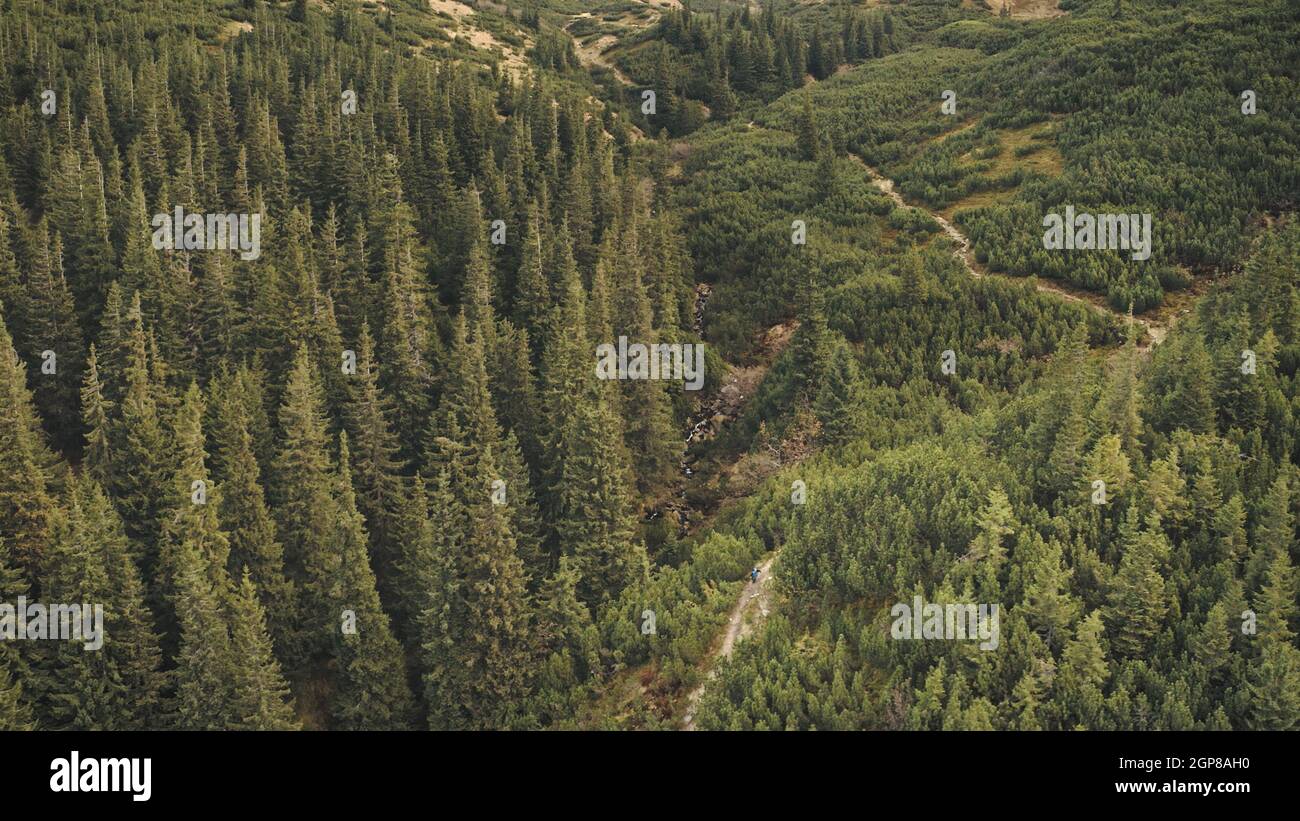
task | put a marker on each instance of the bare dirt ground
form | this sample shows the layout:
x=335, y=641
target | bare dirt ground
x=451, y=8
x=1021, y=9
x=234, y=28
x=463, y=29
x=592, y=54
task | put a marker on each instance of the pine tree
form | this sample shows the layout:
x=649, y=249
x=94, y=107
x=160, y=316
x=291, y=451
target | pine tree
x=1274, y=532
x=376, y=468
x=141, y=481
x=97, y=456
x=586, y=500
x=25, y=502
x=255, y=550
x=191, y=521
x=475, y=638
x=77, y=686
x=205, y=673
x=1274, y=687
x=260, y=699
x=836, y=405
x=15, y=709
x=1048, y=606
x=304, y=504
x=371, y=693
x=1136, y=601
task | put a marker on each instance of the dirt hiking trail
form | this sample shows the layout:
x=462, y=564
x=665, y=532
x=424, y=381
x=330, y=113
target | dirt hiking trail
x=754, y=599
x=1155, y=330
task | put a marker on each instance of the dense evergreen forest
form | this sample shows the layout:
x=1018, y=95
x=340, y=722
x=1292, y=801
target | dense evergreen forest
x=362, y=471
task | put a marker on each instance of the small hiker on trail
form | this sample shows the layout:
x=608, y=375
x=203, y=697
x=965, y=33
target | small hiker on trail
x=753, y=575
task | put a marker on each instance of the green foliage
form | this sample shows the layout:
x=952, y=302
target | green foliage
x=468, y=530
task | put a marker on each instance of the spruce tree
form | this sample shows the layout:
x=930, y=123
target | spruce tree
x=77, y=686
x=55, y=345
x=205, y=673
x=1136, y=600
x=1274, y=687
x=304, y=504
x=255, y=549
x=1274, y=532
x=191, y=521
x=533, y=299
x=913, y=278
x=811, y=341
x=141, y=482
x=836, y=405
x=649, y=433
x=376, y=468
x=97, y=455
x=1048, y=605
x=371, y=691
x=15, y=709
x=13, y=294
x=475, y=641
x=25, y=502
x=587, y=503
x=407, y=341
x=1275, y=603
x=260, y=699
x=132, y=640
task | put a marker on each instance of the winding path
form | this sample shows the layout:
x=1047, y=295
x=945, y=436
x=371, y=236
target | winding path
x=740, y=622
x=755, y=595
x=592, y=55
x=1155, y=329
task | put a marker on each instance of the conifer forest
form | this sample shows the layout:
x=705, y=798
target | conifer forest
x=649, y=364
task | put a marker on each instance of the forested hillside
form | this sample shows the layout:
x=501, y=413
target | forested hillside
x=356, y=463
